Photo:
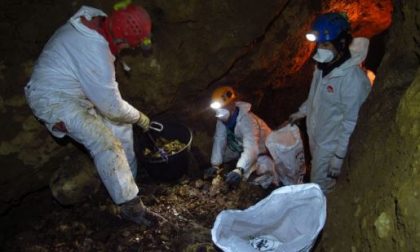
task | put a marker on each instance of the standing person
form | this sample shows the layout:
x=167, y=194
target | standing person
x=338, y=89
x=240, y=134
x=73, y=91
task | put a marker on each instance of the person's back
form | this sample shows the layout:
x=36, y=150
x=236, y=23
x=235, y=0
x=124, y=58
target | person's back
x=75, y=60
x=250, y=126
x=73, y=48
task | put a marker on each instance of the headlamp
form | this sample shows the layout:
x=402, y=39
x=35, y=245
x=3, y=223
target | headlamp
x=146, y=44
x=312, y=36
x=215, y=105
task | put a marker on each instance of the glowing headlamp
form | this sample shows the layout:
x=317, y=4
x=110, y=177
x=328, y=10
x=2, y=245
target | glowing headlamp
x=312, y=36
x=215, y=105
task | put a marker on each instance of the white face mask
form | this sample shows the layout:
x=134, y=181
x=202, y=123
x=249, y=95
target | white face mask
x=323, y=55
x=222, y=114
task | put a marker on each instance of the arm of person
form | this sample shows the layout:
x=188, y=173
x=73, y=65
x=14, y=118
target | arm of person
x=303, y=109
x=97, y=78
x=219, y=144
x=353, y=93
x=249, y=129
x=317, y=74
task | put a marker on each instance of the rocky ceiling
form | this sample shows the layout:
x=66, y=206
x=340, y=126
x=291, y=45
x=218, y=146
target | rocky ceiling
x=258, y=47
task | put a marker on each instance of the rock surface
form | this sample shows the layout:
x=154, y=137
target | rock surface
x=75, y=180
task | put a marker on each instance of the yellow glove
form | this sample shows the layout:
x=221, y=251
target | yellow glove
x=143, y=122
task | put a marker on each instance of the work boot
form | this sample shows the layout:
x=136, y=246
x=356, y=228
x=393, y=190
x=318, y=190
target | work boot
x=135, y=211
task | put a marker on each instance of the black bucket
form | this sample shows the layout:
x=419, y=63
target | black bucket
x=177, y=163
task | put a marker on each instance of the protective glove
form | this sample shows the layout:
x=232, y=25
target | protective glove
x=210, y=172
x=143, y=122
x=293, y=118
x=234, y=177
x=334, y=167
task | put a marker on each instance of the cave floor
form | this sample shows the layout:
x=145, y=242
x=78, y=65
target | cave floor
x=39, y=223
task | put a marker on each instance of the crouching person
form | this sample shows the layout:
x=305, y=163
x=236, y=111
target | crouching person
x=240, y=135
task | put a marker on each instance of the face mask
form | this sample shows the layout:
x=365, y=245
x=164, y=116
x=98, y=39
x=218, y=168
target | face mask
x=222, y=114
x=323, y=55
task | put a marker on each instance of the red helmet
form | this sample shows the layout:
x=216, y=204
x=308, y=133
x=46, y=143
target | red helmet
x=131, y=24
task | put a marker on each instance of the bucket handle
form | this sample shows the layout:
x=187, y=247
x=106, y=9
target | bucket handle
x=156, y=126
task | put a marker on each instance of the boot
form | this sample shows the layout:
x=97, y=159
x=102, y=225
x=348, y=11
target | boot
x=135, y=211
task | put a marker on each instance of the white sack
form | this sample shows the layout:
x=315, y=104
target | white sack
x=289, y=219
x=286, y=148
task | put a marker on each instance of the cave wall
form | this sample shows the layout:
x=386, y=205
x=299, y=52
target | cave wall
x=375, y=206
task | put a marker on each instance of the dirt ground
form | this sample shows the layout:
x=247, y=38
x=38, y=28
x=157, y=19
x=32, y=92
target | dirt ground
x=39, y=223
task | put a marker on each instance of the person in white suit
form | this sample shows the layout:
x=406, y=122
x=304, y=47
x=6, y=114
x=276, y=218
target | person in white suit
x=73, y=91
x=338, y=89
x=240, y=135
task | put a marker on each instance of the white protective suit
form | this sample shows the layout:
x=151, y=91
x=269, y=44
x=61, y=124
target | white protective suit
x=332, y=109
x=250, y=131
x=74, y=82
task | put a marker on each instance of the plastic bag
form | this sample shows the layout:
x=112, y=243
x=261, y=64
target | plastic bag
x=286, y=147
x=289, y=219
x=265, y=173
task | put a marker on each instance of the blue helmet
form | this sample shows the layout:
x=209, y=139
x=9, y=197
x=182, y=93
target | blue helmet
x=328, y=27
